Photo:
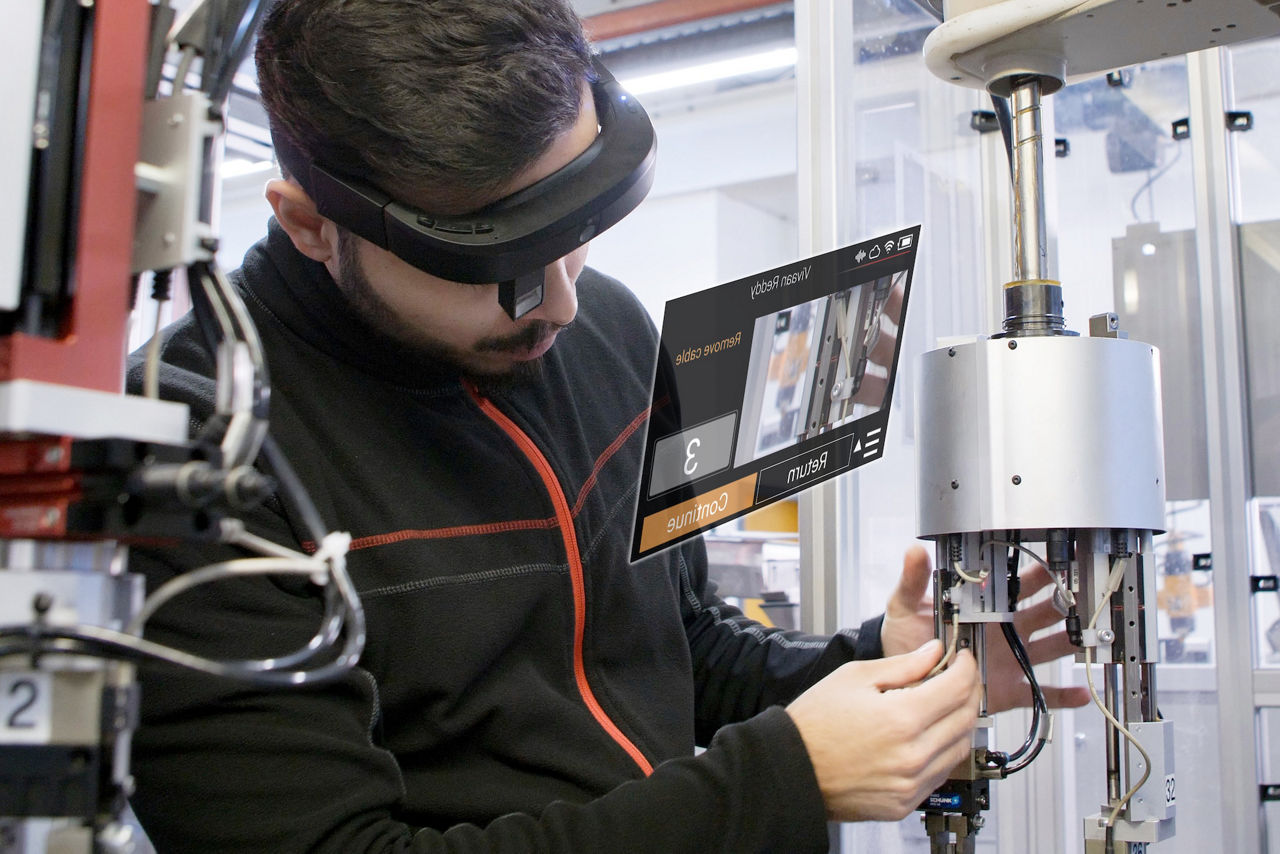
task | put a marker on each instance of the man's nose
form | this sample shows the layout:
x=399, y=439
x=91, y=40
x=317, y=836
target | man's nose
x=559, y=295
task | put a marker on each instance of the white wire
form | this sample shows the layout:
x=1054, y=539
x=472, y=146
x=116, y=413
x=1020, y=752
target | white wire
x=151, y=376
x=1067, y=596
x=327, y=565
x=951, y=648
x=1113, y=584
x=217, y=572
x=978, y=579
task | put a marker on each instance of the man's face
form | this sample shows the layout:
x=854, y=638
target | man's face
x=459, y=324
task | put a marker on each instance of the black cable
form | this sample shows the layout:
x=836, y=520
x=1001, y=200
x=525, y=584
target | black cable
x=97, y=642
x=1038, y=705
x=292, y=492
x=1034, y=742
x=236, y=323
x=249, y=17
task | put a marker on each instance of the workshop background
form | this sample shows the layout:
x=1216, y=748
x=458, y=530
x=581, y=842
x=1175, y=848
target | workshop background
x=761, y=147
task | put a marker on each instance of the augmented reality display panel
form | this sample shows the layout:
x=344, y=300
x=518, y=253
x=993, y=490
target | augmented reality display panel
x=771, y=384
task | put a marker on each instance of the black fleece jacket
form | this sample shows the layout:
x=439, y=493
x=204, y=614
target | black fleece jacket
x=524, y=687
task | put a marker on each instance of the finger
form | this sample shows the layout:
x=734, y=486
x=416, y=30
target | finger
x=1050, y=648
x=954, y=734
x=1039, y=616
x=1014, y=697
x=1032, y=580
x=913, y=583
x=872, y=390
x=893, y=304
x=899, y=671
x=886, y=343
x=954, y=688
x=1065, y=698
x=955, y=740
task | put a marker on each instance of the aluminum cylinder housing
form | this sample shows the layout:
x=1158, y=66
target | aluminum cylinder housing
x=1035, y=433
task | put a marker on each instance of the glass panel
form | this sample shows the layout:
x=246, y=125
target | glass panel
x=1258, y=203
x=1254, y=70
x=1126, y=243
x=913, y=159
x=723, y=206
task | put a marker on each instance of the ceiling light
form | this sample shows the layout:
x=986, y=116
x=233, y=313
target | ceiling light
x=724, y=69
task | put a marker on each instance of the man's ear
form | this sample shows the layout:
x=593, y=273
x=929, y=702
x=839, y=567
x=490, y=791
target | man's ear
x=312, y=234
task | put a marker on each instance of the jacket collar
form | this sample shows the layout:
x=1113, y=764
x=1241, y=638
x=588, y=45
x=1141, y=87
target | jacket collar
x=300, y=295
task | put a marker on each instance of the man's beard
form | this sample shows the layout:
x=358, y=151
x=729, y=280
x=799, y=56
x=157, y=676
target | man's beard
x=359, y=292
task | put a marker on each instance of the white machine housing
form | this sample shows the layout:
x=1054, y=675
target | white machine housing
x=986, y=41
x=1043, y=432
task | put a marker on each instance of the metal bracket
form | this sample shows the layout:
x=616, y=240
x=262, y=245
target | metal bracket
x=984, y=121
x=1120, y=79
x=1239, y=120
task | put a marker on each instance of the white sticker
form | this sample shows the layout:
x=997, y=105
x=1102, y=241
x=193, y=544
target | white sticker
x=26, y=707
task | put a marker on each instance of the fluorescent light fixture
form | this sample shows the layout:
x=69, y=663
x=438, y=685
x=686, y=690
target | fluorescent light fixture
x=724, y=69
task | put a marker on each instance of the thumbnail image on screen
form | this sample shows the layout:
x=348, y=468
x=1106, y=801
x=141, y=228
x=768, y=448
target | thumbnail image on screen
x=818, y=365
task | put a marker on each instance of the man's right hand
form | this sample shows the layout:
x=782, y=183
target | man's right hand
x=878, y=747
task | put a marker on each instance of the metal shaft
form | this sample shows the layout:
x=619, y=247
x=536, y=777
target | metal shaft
x=1032, y=302
x=1112, y=699
x=1028, y=183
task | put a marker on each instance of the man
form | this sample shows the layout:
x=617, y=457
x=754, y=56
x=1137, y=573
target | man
x=524, y=688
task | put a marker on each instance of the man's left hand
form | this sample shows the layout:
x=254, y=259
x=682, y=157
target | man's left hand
x=908, y=623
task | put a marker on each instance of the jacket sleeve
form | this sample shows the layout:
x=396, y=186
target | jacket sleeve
x=741, y=667
x=222, y=766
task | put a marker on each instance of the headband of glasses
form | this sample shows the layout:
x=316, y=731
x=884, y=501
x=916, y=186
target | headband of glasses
x=511, y=241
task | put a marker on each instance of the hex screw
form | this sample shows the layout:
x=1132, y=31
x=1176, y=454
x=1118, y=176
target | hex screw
x=1017, y=480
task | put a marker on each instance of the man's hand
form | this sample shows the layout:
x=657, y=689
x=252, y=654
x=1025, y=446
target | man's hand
x=879, y=747
x=908, y=622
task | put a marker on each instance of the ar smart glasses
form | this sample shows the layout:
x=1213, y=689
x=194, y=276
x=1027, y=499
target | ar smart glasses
x=512, y=240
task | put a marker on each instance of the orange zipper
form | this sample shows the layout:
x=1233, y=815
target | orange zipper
x=565, y=517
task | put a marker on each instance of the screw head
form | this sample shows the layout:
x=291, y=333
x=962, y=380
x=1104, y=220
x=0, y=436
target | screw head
x=1013, y=345
x=1017, y=480
x=955, y=484
x=951, y=351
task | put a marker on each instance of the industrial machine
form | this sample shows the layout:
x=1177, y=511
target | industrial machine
x=1044, y=443
x=94, y=123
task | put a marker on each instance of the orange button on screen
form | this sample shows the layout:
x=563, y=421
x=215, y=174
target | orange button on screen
x=708, y=509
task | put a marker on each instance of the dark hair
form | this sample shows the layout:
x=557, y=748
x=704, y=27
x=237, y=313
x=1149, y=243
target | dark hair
x=452, y=98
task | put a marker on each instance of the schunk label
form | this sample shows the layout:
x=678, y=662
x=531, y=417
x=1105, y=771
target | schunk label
x=943, y=802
